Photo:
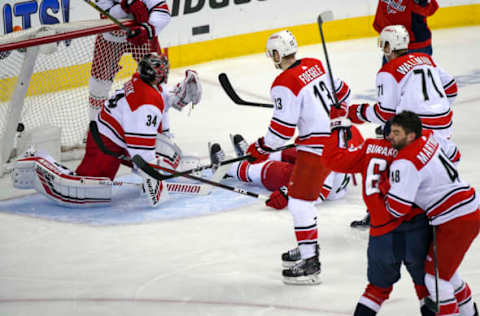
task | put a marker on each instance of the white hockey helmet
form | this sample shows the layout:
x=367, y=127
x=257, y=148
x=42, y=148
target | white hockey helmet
x=396, y=36
x=283, y=42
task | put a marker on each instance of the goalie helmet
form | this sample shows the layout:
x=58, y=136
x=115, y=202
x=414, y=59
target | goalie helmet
x=153, y=66
x=396, y=36
x=283, y=42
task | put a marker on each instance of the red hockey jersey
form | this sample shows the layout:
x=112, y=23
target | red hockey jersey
x=372, y=160
x=409, y=14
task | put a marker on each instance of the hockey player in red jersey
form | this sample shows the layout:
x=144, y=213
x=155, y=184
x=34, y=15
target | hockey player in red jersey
x=422, y=175
x=151, y=16
x=411, y=82
x=412, y=14
x=302, y=95
x=392, y=240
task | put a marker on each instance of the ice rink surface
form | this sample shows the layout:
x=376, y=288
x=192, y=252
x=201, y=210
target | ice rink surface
x=226, y=263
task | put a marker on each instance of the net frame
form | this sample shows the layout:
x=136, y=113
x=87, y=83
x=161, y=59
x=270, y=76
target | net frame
x=30, y=42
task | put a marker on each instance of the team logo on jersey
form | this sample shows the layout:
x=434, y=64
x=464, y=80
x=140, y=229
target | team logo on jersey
x=394, y=6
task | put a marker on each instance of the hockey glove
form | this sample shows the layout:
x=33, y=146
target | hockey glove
x=356, y=113
x=258, y=151
x=140, y=34
x=338, y=117
x=189, y=90
x=278, y=199
x=137, y=8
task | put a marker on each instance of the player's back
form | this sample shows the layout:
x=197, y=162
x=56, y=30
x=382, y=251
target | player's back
x=303, y=96
x=417, y=86
x=428, y=179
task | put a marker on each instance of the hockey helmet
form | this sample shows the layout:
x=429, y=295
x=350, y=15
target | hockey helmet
x=283, y=42
x=396, y=36
x=153, y=66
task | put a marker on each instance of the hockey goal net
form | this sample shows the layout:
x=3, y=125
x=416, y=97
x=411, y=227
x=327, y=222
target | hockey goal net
x=44, y=82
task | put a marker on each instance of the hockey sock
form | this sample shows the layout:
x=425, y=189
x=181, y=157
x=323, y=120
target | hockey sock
x=372, y=299
x=305, y=222
x=463, y=294
x=422, y=293
x=448, y=302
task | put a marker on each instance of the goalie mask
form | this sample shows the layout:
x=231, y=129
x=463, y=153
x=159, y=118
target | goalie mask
x=284, y=43
x=396, y=36
x=153, y=66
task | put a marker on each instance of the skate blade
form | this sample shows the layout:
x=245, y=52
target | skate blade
x=313, y=279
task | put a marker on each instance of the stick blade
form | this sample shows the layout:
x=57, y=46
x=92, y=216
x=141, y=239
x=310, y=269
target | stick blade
x=325, y=17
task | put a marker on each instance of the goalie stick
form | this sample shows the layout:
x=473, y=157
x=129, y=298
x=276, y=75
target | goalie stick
x=148, y=168
x=228, y=88
x=174, y=174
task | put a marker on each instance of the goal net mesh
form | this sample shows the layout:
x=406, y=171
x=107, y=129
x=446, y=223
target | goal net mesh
x=58, y=91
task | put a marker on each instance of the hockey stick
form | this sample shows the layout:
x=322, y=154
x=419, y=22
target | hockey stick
x=325, y=17
x=108, y=15
x=96, y=137
x=434, y=306
x=142, y=164
x=172, y=187
x=228, y=88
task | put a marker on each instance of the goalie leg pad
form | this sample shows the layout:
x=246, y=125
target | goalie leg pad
x=66, y=189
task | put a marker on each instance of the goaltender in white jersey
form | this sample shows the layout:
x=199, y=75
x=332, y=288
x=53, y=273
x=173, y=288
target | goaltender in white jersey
x=128, y=126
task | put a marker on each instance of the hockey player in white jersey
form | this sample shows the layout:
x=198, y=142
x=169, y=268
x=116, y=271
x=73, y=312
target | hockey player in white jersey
x=274, y=173
x=151, y=17
x=411, y=82
x=302, y=95
x=422, y=175
x=128, y=125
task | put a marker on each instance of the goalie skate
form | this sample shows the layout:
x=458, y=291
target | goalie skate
x=305, y=272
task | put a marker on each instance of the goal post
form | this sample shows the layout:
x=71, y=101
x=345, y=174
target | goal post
x=44, y=80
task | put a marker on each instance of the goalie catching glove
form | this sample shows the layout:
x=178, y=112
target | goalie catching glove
x=189, y=90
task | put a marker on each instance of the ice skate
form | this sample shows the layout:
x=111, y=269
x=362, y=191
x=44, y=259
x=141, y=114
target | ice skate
x=363, y=224
x=293, y=256
x=305, y=272
x=239, y=144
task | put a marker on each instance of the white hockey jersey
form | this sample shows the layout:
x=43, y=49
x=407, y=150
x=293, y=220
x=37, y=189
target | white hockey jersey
x=132, y=117
x=413, y=82
x=159, y=16
x=302, y=97
x=422, y=175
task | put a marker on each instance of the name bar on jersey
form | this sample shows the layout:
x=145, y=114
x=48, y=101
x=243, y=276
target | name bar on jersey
x=410, y=63
x=311, y=74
